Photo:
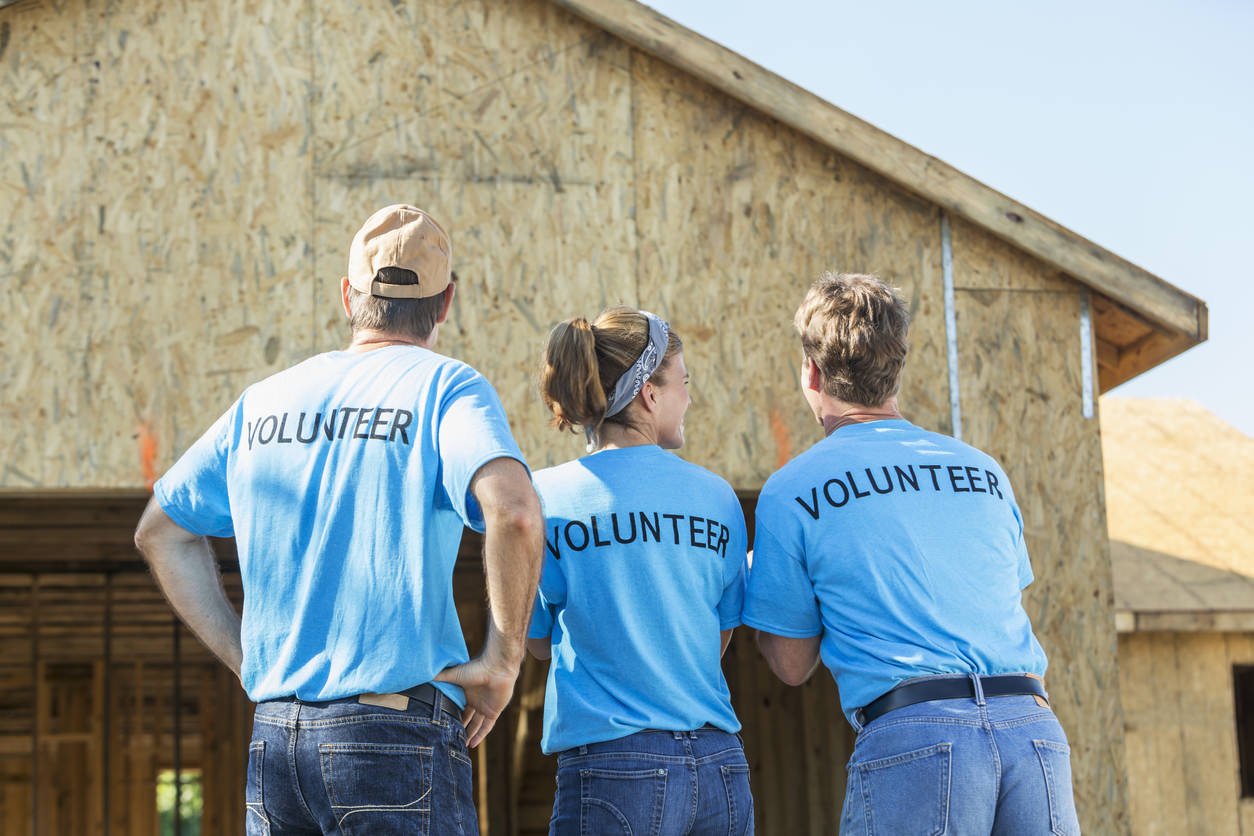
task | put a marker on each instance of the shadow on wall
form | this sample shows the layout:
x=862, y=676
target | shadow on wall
x=1147, y=580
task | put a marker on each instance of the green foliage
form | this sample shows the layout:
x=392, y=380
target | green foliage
x=190, y=806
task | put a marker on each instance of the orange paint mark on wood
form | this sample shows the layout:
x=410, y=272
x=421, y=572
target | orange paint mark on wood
x=783, y=439
x=147, y=454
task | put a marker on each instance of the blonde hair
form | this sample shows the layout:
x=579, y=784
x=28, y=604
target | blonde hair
x=583, y=361
x=853, y=326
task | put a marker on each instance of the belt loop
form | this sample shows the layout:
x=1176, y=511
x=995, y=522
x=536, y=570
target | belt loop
x=678, y=735
x=583, y=750
x=979, y=689
x=856, y=721
x=437, y=704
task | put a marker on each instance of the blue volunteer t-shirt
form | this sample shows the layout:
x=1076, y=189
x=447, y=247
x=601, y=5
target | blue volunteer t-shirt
x=644, y=567
x=345, y=481
x=904, y=549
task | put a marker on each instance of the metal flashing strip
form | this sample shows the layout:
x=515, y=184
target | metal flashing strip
x=951, y=327
x=1086, y=357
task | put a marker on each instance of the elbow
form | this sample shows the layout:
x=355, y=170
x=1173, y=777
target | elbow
x=156, y=533
x=792, y=660
x=522, y=519
x=529, y=522
x=792, y=675
x=143, y=538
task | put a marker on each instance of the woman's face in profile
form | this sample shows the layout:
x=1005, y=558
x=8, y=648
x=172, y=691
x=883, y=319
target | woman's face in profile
x=672, y=402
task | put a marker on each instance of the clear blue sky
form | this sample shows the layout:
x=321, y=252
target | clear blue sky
x=1131, y=123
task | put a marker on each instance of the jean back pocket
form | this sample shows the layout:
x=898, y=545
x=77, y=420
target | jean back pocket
x=256, y=822
x=377, y=788
x=1056, y=763
x=621, y=802
x=906, y=793
x=739, y=799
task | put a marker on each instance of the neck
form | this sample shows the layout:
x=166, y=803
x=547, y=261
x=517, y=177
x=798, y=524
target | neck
x=618, y=436
x=834, y=414
x=368, y=340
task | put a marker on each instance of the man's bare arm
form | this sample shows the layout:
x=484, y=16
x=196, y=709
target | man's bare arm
x=512, y=551
x=185, y=568
x=792, y=660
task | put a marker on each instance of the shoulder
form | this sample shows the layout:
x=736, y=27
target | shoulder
x=968, y=451
x=445, y=368
x=446, y=378
x=310, y=367
x=694, y=480
x=799, y=470
x=557, y=474
x=693, y=472
x=555, y=483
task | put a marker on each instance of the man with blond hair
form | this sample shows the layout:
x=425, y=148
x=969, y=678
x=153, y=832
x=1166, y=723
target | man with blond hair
x=897, y=555
x=346, y=480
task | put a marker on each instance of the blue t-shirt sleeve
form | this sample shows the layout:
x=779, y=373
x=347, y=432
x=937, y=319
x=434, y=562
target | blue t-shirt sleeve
x=1021, y=546
x=780, y=595
x=541, y=619
x=193, y=492
x=1026, y=575
x=473, y=431
x=731, y=605
x=550, y=597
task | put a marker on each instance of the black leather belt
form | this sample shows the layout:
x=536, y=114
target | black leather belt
x=428, y=694
x=951, y=688
x=424, y=693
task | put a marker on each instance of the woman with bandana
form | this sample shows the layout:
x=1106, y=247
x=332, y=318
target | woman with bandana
x=642, y=585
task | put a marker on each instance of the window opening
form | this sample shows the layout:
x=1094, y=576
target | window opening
x=1243, y=703
x=180, y=802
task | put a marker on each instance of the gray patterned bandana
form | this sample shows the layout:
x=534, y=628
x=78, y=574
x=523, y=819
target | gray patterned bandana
x=632, y=380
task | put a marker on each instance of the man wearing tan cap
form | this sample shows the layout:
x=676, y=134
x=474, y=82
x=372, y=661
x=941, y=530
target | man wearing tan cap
x=346, y=481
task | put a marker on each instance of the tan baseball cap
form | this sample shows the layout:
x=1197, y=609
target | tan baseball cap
x=400, y=236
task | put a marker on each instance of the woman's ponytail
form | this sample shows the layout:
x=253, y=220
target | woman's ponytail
x=571, y=382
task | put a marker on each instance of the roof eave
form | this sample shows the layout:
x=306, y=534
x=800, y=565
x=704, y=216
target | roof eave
x=1128, y=620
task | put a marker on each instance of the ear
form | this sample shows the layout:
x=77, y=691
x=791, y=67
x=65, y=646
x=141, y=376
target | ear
x=648, y=396
x=449, y=292
x=344, y=286
x=811, y=377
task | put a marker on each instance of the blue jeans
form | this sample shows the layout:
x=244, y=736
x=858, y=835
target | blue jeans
x=346, y=768
x=655, y=783
x=996, y=765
